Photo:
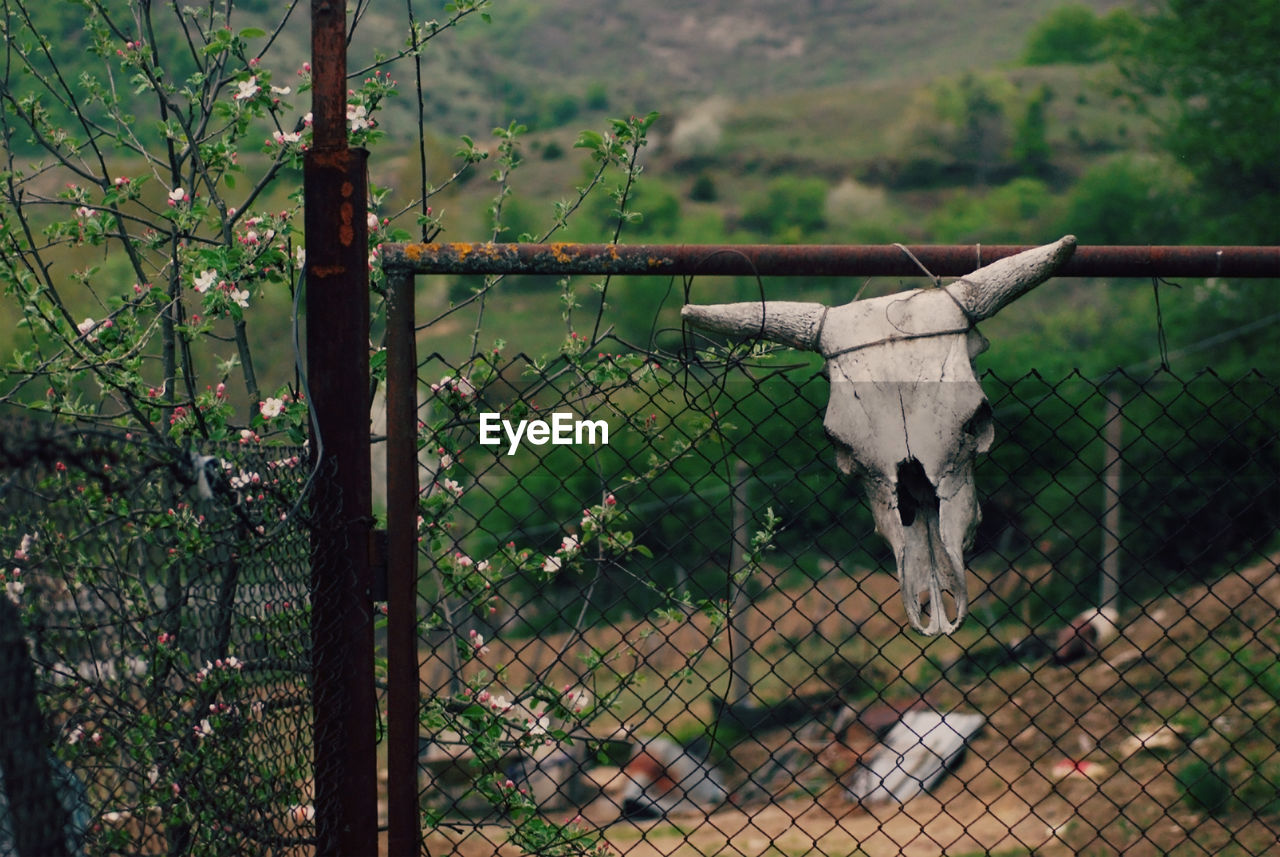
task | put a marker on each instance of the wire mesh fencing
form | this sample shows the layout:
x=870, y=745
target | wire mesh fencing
x=656, y=619
x=155, y=635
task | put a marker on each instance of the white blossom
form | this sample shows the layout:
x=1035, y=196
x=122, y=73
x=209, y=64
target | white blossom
x=246, y=88
x=240, y=296
x=448, y=383
x=271, y=408
x=204, y=281
x=577, y=700
x=244, y=479
x=358, y=117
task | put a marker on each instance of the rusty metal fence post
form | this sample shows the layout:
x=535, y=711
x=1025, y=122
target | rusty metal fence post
x=404, y=828
x=338, y=373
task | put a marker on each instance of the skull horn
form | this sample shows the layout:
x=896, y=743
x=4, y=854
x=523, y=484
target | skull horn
x=987, y=290
x=786, y=322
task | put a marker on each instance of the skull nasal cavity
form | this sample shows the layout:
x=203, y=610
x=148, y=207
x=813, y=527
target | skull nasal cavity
x=915, y=492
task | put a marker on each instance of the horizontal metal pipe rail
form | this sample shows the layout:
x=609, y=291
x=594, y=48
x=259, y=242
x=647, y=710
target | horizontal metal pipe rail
x=825, y=260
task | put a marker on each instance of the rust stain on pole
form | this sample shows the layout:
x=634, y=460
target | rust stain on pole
x=816, y=260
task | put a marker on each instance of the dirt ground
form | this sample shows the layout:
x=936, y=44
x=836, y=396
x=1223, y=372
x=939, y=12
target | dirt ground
x=1005, y=797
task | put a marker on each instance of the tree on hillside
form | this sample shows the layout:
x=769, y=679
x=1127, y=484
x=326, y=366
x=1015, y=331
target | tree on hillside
x=1030, y=135
x=1074, y=33
x=1213, y=68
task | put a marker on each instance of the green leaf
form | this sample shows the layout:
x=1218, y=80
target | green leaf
x=252, y=33
x=589, y=140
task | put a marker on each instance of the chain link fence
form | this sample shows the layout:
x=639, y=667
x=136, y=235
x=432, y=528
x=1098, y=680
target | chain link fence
x=688, y=639
x=156, y=641
x=679, y=637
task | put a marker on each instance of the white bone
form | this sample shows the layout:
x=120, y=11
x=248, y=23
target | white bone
x=905, y=410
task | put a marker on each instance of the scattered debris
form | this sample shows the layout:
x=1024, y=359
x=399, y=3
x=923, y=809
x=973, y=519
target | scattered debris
x=1064, y=768
x=981, y=662
x=913, y=756
x=1163, y=740
x=1087, y=634
x=666, y=779
x=551, y=774
x=751, y=716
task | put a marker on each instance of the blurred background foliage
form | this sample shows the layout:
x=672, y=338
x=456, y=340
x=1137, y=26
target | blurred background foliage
x=896, y=120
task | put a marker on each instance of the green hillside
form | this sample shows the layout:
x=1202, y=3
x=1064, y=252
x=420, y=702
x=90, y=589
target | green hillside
x=816, y=121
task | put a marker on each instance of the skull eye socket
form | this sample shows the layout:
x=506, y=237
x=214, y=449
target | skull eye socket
x=916, y=493
x=979, y=425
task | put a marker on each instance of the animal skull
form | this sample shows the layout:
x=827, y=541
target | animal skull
x=905, y=410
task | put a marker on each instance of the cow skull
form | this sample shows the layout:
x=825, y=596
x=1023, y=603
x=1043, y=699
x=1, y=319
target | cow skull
x=905, y=410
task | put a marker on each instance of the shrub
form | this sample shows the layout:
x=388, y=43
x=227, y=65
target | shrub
x=704, y=189
x=1069, y=34
x=789, y=209
x=1129, y=200
x=1204, y=787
